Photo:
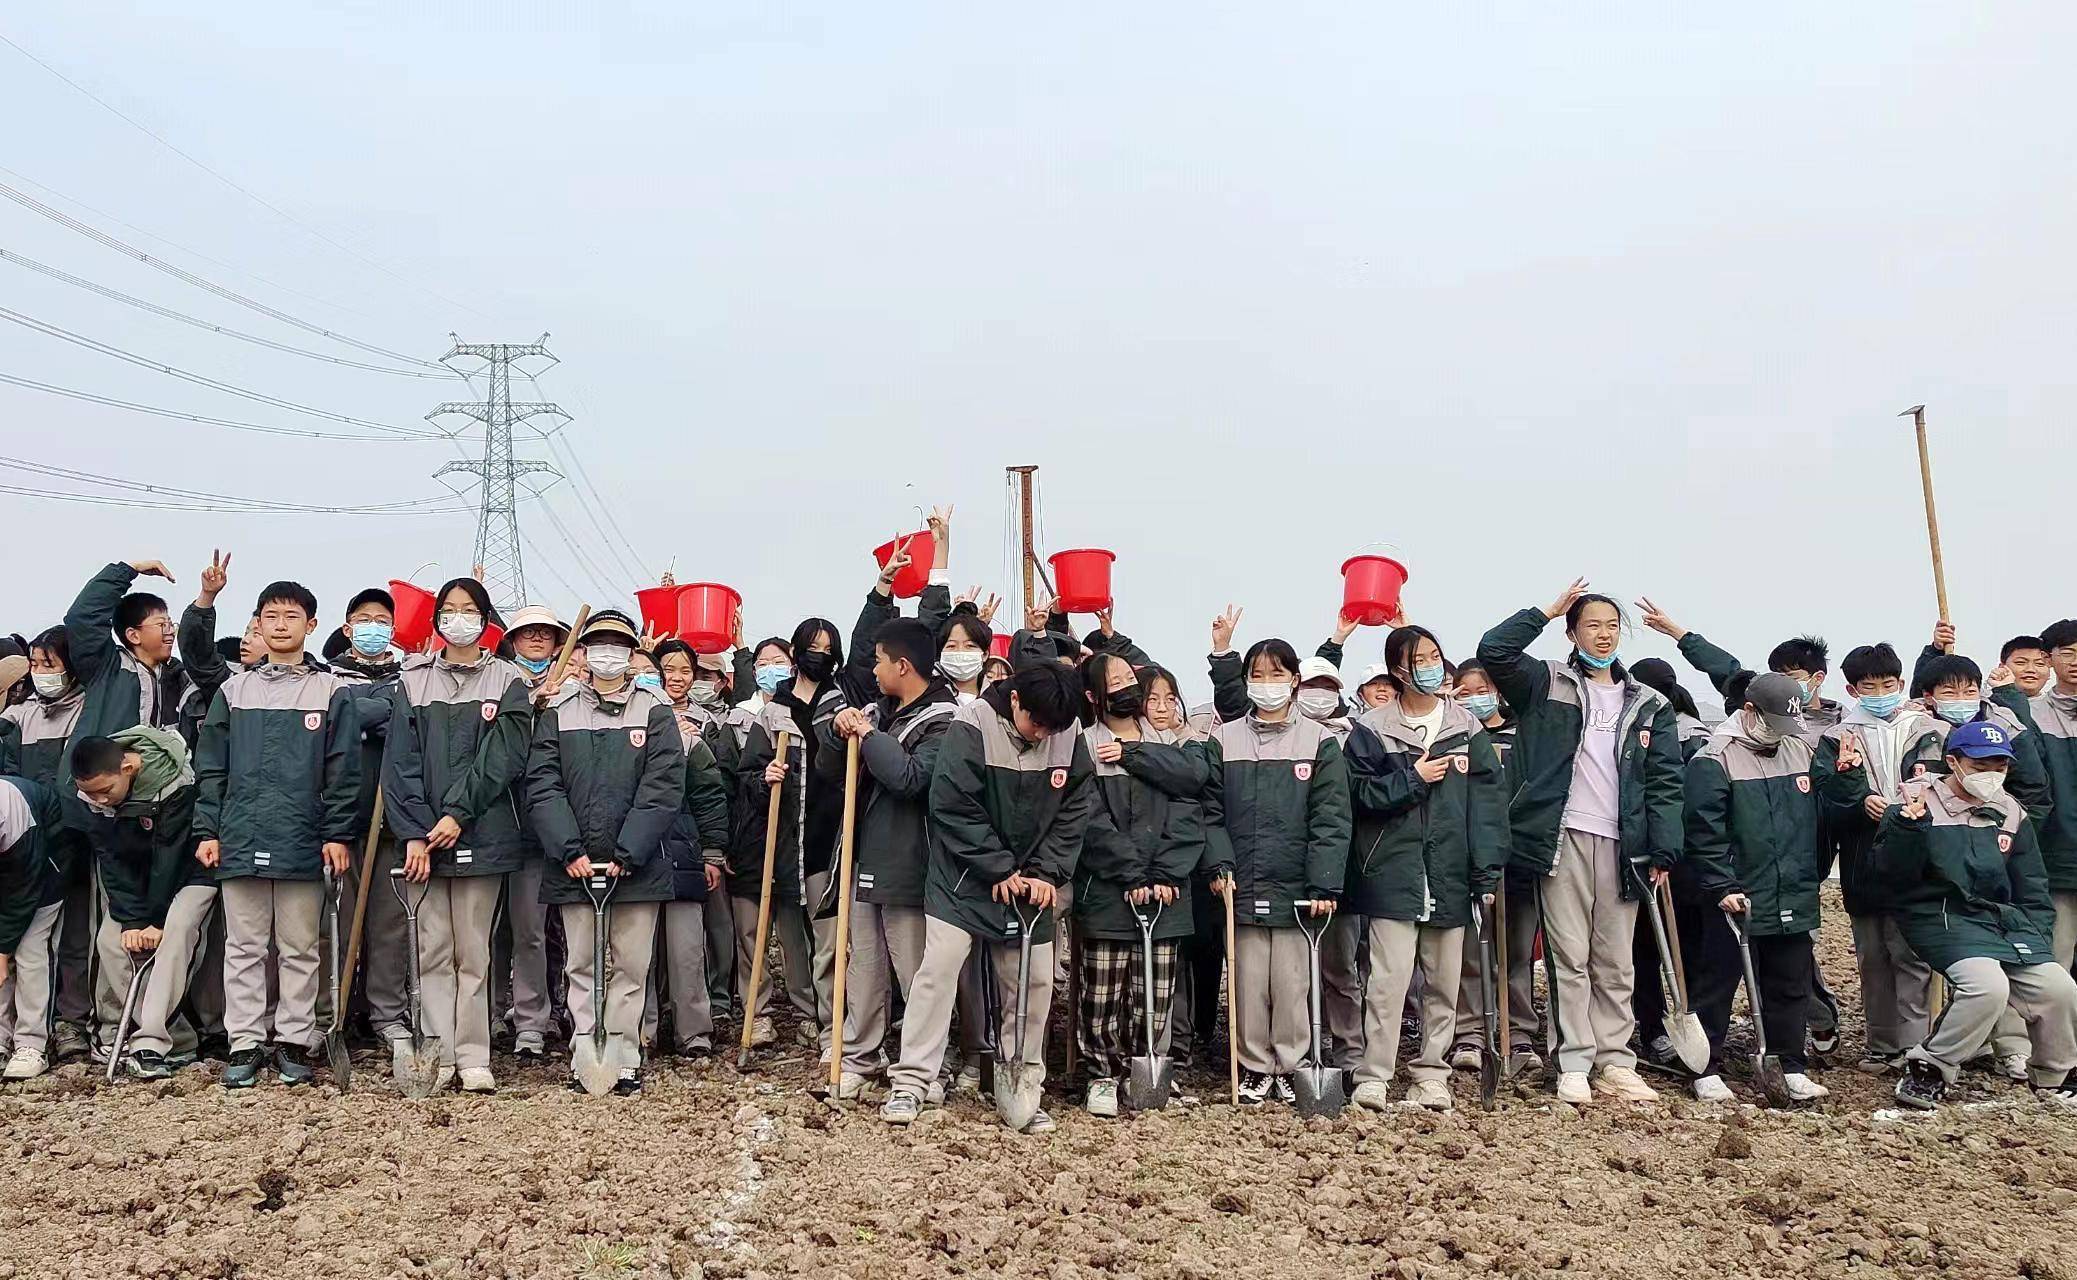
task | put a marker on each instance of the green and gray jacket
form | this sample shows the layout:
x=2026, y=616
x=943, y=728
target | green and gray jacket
x=702, y=838
x=1752, y=823
x=999, y=806
x=1424, y=850
x=277, y=771
x=30, y=879
x=811, y=799
x=1276, y=815
x=1722, y=668
x=119, y=690
x=145, y=846
x=1547, y=699
x=1966, y=879
x=896, y=762
x=1893, y=752
x=606, y=780
x=2028, y=779
x=44, y=729
x=1146, y=828
x=457, y=748
x=2055, y=729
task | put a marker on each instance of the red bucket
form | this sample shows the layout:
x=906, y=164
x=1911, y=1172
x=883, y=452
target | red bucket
x=707, y=615
x=1370, y=589
x=909, y=583
x=492, y=634
x=659, y=607
x=999, y=646
x=1082, y=579
x=414, y=616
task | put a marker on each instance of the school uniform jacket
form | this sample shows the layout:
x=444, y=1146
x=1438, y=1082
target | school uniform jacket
x=2028, y=779
x=44, y=729
x=1277, y=815
x=371, y=683
x=811, y=800
x=2055, y=723
x=457, y=748
x=277, y=771
x=1722, y=668
x=1424, y=850
x=119, y=690
x=1000, y=805
x=606, y=780
x=1893, y=752
x=1146, y=828
x=29, y=878
x=1966, y=879
x=1548, y=699
x=1752, y=824
x=144, y=849
x=703, y=823
x=895, y=764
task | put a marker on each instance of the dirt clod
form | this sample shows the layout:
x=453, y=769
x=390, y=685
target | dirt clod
x=1732, y=1144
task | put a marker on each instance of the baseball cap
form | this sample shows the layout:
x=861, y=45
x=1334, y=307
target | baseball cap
x=536, y=615
x=711, y=662
x=610, y=622
x=1318, y=668
x=13, y=668
x=1979, y=740
x=1375, y=671
x=1779, y=700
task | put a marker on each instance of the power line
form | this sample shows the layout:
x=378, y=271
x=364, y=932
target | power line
x=204, y=419
x=577, y=553
x=588, y=505
x=585, y=486
x=259, y=504
x=147, y=505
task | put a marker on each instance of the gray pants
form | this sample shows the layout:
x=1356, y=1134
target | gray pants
x=1588, y=933
x=32, y=977
x=206, y=988
x=1896, y=986
x=1523, y=921
x=385, y=976
x=454, y=925
x=285, y=913
x=1396, y=946
x=886, y=948
x=2012, y=1038
x=806, y=954
x=630, y=941
x=720, y=923
x=683, y=972
x=1979, y=991
x=159, y=1024
x=934, y=990
x=75, y=1003
x=1343, y=992
x=529, y=981
x=1271, y=1012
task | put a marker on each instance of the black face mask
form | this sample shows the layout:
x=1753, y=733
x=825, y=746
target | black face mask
x=1126, y=703
x=817, y=666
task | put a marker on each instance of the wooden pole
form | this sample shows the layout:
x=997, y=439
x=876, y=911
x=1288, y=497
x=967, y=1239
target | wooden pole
x=1917, y=414
x=1232, y=1001
x=764, y=908
x=843, y=946
x=1029, y=551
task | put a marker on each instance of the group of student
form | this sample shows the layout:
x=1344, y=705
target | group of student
x=201, y=803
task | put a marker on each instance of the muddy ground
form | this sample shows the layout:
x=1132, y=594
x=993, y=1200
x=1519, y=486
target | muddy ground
x=712, y=1174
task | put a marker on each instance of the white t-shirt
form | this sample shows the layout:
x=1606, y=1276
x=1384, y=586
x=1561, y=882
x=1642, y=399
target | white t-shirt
x=1428, y=725
x=1592, y=806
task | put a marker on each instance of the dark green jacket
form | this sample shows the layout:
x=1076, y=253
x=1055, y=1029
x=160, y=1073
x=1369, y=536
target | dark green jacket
x=1276, y=815
x=1722, y=668
x=30, y=818
x=1424, y=850
x=277, y=771
x=703, y=823
x=145, y=849
x=811, y=800
x=457, y=748
x=45, y=729
x=2028, y=779
x=1752, y=823
x=1001, y=806
x=371, y=684
x=1146, y=828
x=1914, y=750
x=1547, y=698
x=895, y=764
x=2054, y=718
x=606, y=780
x=1966, y=879
x=119, y=691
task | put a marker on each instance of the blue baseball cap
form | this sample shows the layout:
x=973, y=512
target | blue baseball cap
x=1979, y=740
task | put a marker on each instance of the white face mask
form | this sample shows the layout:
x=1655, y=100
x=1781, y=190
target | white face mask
x=1757, y=728
x=1985, y=787
x=1320, y=704
x=1269, y=695
x=48, y=684
x=962, y=664
x=461, y=629
x=704, y=693
x=608, y=661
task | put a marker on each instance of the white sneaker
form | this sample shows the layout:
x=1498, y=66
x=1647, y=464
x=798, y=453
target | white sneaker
x=2013, y=1066
x=1625, y=1085
x=1803, y=1089
x=763, y=1032
x=478, y=1080
x=1713, y=1089
x=1103, y=1098
x=851, y=1086
x=1464, y=1057
x=969, y=1080
x=1372, y=1095
x=1572, y=1088
x=25, y=1064
x=1041, y=1123
x=934, y=1093
x=1255, y=1087
x=1431, y=1094
x=530, y=1044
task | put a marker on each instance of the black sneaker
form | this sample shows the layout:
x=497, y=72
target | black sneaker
x=293, y=1065
x=180, y=1061
x=147, y=1064
x=1922, y=1087
x=1284, y=1090
x=243, y=1072
x=1255, y=1088
x=216, y=1048
x=629, y=1084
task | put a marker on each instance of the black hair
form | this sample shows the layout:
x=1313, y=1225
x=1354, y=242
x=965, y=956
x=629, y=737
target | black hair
x=477, y=596
x=771, y=642
x=1577, y=611
x=1281, y=650
x=1871, y=662
x=2057, y=635
x=1472, y=666
x=1736, y=688
x=1049, y=693
x=1399, y=648
x=231, y=649
x=1945, y=667
x=1152, y=674
x=133, y=609
x=1657, y=674
x=1804, y=653
x=96, y=757
x=54, y=642
x=334, y=645
x=2016, y=643
x=375, y=595
x=285, y=592
x=976, y=630
x=1096, y=678
x=804, y=640
x=671, y=646
x=910, y=641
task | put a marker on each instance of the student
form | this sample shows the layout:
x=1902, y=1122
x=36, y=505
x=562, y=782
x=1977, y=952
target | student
x=768, y=666
x=1695, y=916
x=1972, y=899
x=362, y=655
x=2026, y=657
x=277, y=776
x=963, y=646
x=899, y=739
x=121, y=646
x=32, y=896
x=535, y=638
x=994, y=671
x=1597, y=781
x=724, y=725
x=1143, y=847
x=1430, y=839
x=1804, y=659
x=138, y=793
x=606, y=784
x=1954, y=693
x=698, y=863
x=1009, y=800
x=2054, y=713
x=1881, y=743
x=1194, y=1014
x=1278, y=831
x=460, y=723
x=1341, y=961
x=42, y=724
x=1753, y=847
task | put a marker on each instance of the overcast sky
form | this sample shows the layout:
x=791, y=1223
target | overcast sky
x=1636, y=296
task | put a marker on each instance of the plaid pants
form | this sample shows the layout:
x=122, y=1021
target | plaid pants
x=1111, y=1023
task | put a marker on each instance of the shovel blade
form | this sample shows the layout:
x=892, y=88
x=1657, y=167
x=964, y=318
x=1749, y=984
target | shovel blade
x=1690, y=1042
x=1149, y=1083
x=339, y=1060
x=1019, y=1088
x=1489, y=1079
x=420, y=1074
x=1766, y=1071
x=1319, y=1091
x=594, y=1074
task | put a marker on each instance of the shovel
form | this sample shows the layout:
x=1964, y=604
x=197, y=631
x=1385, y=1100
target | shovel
x=1318, y=1087
x=335, y=1035
x=588, y=1058
x=1683, y=1028
x=1489, y=1062
x=122, y=1026
x=1020, y=1085
x=419, y=1075
x=1766, y=1068
x=1150, y=1079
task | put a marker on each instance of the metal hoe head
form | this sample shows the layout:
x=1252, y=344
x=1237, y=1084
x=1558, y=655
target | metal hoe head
x=595, y=1072
x=122, y=1027
x=1489, y=1053
x=1683, y=1028
x=1149, y=1079
x=1020, y=1085
x=417, y=1072
x=1318, y=1086
x=336, y=1056
x=1766, y=1068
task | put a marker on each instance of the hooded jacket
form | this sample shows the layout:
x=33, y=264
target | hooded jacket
x=371, y=682
x=1893, y=751
x=1146, y=828
x=895, y=764
x=2054, y=717
x=606, y=780
x=1966, y=879
x=44, y=729
x=29, y=878
x=1752, y=828
x=119, y=691
x=145, y=846
x=277, y=771
x=1276, y=814
x=457, y=748
x=1424, y=850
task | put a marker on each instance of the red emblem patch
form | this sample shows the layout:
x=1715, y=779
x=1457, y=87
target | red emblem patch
x=313, y=720
x=145, y=823
x=1803, y=784
x=1059, y=779
x=1918, y=771
x=1304, y=772
x=490, y=712
x=1462, y=764
x=2004, y=843
x=636, y=737
x=1644, y=737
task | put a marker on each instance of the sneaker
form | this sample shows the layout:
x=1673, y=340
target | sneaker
x=806, y=1033
x=1041, y=1123
x=243, y=1071
x=629, y=1084
x=69, y=1042
x=1432, y=1094
x=1523, y=1061
x=1922, y=1087
x=147, y=1064
x=1410, y=1026
x=1283, y=1088
x=1713, y=1089
x=217, y=1048
x=442, y=1078
x=1572, y=1088
x=851, y=1086
x=969, y=1080
x=25, y=1064
x=1254, y=1088
x=478, y=1080
x=2013, y=1066
x=2062, y=1097
x=1372, y=1095
x=1465, y=1057
x=1103, y=1098
x=1660, y=1051
x=763, y=1032
x=901, y=1107
x=1803, y=1089
x=530, y=1047
x=292, y=1064
x=180, y=1061
x=1875, y=1064
x=934, y=1094
x=1822, y=1045
x=1625, y=1085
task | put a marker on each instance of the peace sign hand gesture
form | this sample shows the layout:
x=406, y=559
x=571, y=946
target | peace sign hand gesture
x=214, y=578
